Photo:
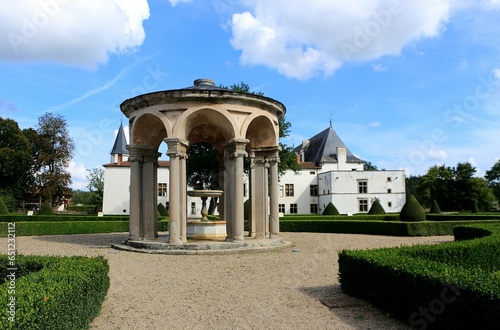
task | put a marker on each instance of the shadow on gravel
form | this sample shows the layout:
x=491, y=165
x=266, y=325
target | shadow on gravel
x=88, y=240
x=353, y=311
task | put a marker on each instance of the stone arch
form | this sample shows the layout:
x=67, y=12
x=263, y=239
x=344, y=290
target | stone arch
x=148, y=129
x=261, y=131
x=202, y=119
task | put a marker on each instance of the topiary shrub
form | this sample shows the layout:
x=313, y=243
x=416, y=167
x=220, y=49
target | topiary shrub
x=412, y=211
x=46, y=209
x=331, y=210
x=162, y=210
x=376, y=208
x=3, y=208
x=475, y=208
x=435, y=208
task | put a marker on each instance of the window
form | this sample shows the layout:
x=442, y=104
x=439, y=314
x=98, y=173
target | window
x=312, y=173
x=389, y=204
x=162, y=189
x=281, y=208
x=281, y=190
x=193, y=207
x=293, y=208
x=363, y=205
x=313, y=208
x=313, y=190
x=289, y=189
x=389, y=179
x=362, y=186
x=389, y=190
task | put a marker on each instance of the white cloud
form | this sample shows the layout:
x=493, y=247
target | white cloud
x=78, y=175
x=303, y=40
x=438, y=154
x=175, y=2
x=496, y=73
x=70, y=32
x=379, y=67
x=374, y=124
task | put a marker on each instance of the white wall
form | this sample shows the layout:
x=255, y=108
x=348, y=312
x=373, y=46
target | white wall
x=116, y=198
x=302, y=197
x=341, y=188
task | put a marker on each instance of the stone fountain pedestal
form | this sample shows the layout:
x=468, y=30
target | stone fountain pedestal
x=204, y=229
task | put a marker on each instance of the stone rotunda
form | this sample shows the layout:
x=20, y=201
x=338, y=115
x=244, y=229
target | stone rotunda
x=238, y=125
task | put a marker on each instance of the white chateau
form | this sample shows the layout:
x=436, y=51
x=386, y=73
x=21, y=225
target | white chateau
x=330, y=173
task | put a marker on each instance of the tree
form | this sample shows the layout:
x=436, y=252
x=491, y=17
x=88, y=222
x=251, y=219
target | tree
x=368, y=166
x=288, y=159
x=202, y=166
x=52, y=150
x=455, y=188
x=81, y=197
x=95, y=185
x=15, y=159
x=493, y=178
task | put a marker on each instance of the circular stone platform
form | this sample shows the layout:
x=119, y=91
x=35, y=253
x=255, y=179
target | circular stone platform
x=161, y=246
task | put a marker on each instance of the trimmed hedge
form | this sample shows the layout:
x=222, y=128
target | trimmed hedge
x=388, y=228
x=446, y=286
x=53, y=292
x=53, y=218
x=435, y=209
x=458, y=217
x=71, y=227
x=355, y=217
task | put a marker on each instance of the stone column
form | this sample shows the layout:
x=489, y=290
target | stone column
x=183, y=198
x=251, y=225
x=222, y=187
x=176, y=151
x=135, y=189
x=228, y=196
x=150, y=193
x=274, y=223
x=261, y=215
x=235, y=151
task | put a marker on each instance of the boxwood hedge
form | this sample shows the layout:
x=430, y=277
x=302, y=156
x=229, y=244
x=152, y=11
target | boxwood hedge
x=446, y=286
x=52, y=292
x=71, y=227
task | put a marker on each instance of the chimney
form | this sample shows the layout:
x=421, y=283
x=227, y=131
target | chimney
x=341, y=155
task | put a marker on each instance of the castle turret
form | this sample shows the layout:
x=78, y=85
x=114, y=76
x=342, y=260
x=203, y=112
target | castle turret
x=119, y=153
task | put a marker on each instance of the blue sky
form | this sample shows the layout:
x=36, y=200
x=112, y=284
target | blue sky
x=407, y=84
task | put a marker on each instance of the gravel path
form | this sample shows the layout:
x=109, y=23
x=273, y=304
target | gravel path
x=282, y=289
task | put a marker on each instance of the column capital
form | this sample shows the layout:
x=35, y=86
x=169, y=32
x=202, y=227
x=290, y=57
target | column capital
x=141, y=153
x=177, y=147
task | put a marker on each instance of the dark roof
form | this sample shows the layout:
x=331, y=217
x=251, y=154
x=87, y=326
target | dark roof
x=120, y=146
x=322, y=148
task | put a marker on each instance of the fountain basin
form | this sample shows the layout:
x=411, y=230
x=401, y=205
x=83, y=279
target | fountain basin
x=206, y=230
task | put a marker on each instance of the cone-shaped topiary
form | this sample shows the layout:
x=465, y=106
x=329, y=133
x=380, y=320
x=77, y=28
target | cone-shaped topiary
x=3, y=208
x=46, y=209
x=162, y=210
x=376, y=208
x=435, y=208
x=331, y=210
x=412, y=211
x=475, y=208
